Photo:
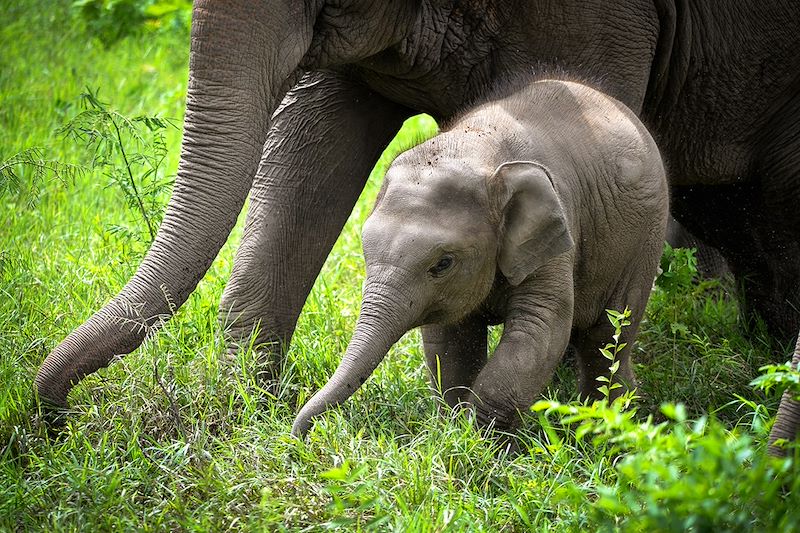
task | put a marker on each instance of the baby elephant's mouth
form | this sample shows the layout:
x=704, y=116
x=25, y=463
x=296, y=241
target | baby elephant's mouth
x=444, y=316
x=435, y=316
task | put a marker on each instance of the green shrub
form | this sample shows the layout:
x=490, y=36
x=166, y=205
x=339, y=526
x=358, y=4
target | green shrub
x=692, y=347
x=781, y=377
x=678, y=268
x=24, y=173
x=112, y=20
x=677, y=475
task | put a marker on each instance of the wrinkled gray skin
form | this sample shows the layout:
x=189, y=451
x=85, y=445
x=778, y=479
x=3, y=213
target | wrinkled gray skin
x=715, y=82
x=539, y=210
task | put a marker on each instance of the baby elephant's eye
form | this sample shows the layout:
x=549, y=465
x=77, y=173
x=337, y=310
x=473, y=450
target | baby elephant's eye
x=442, y=266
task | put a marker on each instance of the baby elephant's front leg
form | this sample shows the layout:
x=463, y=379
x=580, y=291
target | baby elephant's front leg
x=455, y=355
x=535, y=336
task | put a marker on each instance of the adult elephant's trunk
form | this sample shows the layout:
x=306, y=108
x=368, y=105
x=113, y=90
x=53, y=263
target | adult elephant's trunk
x=244, y=56
x=787, y=423
x=385, y=317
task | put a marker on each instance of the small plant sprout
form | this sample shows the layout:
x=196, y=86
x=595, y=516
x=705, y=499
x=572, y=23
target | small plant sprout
x=132, y=154
x=678, y=268
x=619, y=320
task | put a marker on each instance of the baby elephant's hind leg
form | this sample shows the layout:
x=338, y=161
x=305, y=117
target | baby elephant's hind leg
x=591, y=364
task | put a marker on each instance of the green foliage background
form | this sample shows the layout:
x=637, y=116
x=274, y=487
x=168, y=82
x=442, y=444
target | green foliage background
x=177, y=436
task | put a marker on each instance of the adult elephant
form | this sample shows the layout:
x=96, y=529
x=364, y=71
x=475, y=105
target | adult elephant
x=716, y=82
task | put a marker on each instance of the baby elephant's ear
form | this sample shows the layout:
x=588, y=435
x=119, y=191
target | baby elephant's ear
x=534, y=225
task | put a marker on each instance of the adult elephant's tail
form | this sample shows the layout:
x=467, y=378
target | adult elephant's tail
x=244, y=55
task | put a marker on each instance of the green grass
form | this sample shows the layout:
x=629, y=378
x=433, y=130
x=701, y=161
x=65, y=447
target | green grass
x=179, y=437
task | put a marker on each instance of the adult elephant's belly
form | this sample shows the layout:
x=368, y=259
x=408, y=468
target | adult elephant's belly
x=440, y=92
x=695, y=149
x=703, y=144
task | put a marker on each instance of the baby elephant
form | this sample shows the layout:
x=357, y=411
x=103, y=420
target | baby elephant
x=538, y=210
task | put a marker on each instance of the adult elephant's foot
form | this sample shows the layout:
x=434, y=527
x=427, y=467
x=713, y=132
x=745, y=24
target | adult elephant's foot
x=785, y=431
x=115, y=330
x=250, y=324
x=53, y=416
x=270, y=355
x=51, y=391
x=49, y=406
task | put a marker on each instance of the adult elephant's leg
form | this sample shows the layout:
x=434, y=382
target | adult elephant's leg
x=779, y=228
x=325, y=138
x=710, y=262
x=759, y=239
x=455, y=355
x=787, y=422
x=242, y=59
x=774, y=287
x=756, y=224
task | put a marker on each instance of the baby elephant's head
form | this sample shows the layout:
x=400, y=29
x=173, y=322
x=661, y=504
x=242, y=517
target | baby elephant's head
x=430, y=245
x=441, y=230
x=443, y=227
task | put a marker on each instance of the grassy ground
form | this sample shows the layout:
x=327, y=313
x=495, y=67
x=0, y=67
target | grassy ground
x=178, y=437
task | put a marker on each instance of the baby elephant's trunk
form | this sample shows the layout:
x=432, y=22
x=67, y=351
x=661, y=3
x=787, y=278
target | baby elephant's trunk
x=377, y=329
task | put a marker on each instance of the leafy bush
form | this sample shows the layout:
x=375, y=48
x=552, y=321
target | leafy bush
x=677, y=475
x=781, y=377
x=112, y=20
x=678, y=268
x=692, y=348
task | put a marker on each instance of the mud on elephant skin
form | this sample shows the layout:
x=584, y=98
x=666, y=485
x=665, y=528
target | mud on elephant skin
x=360, y=67
x=539, y=210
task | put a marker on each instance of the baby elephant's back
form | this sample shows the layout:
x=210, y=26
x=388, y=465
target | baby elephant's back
x=616, y=162
x=622, y=193
x=622, y=152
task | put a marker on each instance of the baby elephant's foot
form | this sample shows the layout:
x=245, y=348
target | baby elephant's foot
x=500, y=425
x=492, y=414
x=495, y=419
